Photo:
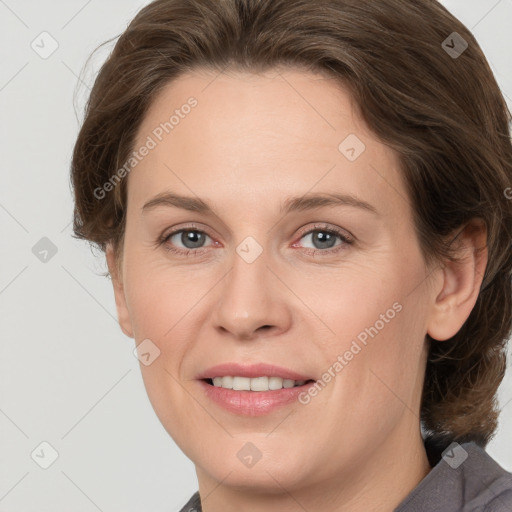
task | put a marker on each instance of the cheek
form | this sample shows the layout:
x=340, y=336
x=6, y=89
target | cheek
x=378, y=319
x=160, y=297
x=159, y=306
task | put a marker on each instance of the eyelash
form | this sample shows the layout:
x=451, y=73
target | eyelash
x=162, y=241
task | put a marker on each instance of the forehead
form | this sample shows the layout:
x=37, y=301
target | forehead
x=286, y=130
x=309, y=106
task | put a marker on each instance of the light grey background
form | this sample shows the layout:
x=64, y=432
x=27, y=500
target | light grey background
x=67, y=373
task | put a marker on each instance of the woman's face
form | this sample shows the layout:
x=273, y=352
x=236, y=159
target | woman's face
x=321, y=289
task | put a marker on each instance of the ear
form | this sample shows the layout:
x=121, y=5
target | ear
x=122, y=311
x=461, y=282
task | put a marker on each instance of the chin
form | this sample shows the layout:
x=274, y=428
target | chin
x=270, y=474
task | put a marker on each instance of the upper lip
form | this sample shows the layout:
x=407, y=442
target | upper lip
x=251, y=371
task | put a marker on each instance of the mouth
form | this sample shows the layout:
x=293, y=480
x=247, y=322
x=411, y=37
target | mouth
x=255, y=384
x=244, y=373
x=253, y=389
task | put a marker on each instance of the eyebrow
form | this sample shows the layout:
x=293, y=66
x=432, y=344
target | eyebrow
x=292, y=204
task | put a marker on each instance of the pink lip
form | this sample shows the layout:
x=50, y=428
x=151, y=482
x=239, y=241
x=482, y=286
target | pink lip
x=252, y=403
x=252, y=371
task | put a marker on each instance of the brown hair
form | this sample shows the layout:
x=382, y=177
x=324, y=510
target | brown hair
x=443, y=114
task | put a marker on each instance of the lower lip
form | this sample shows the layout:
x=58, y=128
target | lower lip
x=253, y=403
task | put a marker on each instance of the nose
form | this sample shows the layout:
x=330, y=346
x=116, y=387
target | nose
x=253, y=302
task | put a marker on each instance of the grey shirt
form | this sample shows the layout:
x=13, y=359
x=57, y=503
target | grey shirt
x=463, y=478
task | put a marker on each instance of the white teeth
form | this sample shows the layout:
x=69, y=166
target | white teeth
x=287, y=383
x=275, y=383
x=259, y=384
x=242, y=383
x=227, y=382
x=255, y=384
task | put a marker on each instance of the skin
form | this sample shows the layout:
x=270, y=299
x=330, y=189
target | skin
x=252, y=142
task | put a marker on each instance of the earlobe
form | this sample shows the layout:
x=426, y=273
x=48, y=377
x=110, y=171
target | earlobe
x=462, y=280
x=123, y=314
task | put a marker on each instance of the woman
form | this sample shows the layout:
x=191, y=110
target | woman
x=305, y=216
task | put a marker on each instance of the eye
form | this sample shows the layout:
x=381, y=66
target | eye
x=190, y=238
x=324, y=239
x=192, y=241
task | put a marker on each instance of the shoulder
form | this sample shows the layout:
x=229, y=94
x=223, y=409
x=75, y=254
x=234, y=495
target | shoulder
x=193, y=504
x=500, y=503
x=487, y=486
x=464, y=478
